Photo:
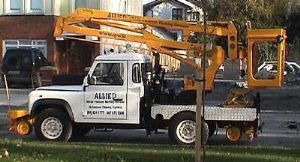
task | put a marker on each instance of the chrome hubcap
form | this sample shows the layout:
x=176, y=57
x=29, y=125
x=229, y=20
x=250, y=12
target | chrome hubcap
x=186, y=131
x=52, y=128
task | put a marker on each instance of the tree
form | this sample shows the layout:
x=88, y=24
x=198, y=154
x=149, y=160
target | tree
x=262, y=13
x=293, y=27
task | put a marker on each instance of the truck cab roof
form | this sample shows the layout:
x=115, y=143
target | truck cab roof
x=124, y=56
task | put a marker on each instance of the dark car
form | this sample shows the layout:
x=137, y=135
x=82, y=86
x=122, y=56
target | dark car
x=22, y=66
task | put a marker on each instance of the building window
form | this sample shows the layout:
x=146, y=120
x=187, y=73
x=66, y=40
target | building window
x=35, y=6
x=85, y=4
x=20, y=7
x=38, y=44
x=177, y=13
x=150, y=13
x=193, y=16
x=80, y=4
x=95, y=4
x=14, y=7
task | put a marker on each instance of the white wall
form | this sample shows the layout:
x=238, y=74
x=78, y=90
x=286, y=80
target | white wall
x=122, y=6
x=50, y=7
x=63, y=7
x=133, y=7
x=164, y=10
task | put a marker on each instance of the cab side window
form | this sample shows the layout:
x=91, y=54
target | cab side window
x=108, y=74
x=136, y=73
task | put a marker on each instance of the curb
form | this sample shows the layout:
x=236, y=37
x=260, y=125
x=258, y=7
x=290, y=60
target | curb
x=16, y=90
x=280, y=112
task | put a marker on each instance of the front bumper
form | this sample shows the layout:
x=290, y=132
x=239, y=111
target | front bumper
x=20, y=121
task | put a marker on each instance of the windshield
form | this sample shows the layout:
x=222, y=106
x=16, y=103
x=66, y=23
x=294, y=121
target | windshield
x=108, y=74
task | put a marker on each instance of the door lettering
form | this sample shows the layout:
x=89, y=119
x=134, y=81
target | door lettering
x=105, y=96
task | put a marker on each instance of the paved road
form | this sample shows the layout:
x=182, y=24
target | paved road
x=275, y=133
x=18, y=97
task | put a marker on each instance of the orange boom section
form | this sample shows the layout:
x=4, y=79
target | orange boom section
x=88, y=22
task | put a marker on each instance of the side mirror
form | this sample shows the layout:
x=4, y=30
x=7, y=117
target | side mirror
x=91, y=80
x=86, y=82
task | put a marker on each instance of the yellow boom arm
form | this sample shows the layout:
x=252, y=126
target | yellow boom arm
x=89, y=22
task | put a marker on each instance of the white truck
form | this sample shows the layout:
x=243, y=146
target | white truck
x=114, y=94
x=121, y=90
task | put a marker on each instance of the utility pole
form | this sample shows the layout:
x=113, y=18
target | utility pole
x=200, y=76
x=198, y=127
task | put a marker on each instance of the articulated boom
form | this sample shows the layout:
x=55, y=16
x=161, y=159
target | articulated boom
x=133, y=28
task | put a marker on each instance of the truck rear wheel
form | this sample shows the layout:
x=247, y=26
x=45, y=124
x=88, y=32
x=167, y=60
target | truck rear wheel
x=53, y=125
x=182, y=129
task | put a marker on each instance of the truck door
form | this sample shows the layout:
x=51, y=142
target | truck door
x=106, y=95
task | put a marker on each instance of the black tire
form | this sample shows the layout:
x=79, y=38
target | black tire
x=187, y=119
x=212, y=126
x=62, y=129
x=79, y=131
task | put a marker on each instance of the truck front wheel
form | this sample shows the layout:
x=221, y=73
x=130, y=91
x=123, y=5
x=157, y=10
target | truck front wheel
x=53, y=125
x=182, y=129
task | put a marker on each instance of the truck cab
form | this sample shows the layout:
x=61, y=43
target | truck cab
x=112, y=95
x=114, y=88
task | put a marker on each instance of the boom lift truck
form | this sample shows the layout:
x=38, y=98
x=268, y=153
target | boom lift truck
x=116, y=91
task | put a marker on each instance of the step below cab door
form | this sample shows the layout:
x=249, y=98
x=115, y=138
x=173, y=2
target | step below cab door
x=106, y=93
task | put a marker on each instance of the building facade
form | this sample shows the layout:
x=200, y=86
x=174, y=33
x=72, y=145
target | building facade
x=31, y=23
x=172, y=10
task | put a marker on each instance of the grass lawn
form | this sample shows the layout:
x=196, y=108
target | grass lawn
x=24, y=150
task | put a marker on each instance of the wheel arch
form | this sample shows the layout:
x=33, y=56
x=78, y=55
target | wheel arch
x=60, y=104
x=182, y=112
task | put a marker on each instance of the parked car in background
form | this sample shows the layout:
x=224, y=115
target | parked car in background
x=295, y=66
x=22, y=66
x=291, y=71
